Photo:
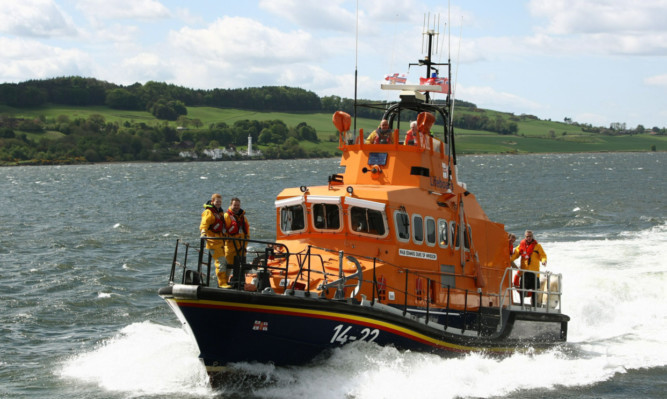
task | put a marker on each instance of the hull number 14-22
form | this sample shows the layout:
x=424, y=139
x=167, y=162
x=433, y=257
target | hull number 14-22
x=342, y=335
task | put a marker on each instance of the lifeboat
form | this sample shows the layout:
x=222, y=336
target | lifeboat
x=394, y=251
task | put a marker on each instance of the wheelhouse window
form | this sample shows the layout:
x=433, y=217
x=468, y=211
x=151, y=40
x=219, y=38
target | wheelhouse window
x=402, y=222
x=442, y=233
x=456, y=237
x=367, y=221
x=417, y=229
x=326, y=216
x=292, y=218
x=430, y=231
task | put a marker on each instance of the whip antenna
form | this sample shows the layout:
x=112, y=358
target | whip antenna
x=356, y=63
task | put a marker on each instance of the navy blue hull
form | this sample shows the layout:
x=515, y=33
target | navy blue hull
x=235, y=326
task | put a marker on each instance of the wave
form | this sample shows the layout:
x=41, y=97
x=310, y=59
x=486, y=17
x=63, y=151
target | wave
x=142, y=359
x=613, y=292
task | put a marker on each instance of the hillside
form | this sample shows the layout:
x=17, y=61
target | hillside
x=138, y=135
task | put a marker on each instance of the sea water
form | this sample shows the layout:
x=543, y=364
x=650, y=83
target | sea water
x=83, y=250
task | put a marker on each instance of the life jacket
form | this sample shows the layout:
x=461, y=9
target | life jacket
x=382, y=136
x=410, y=138
x=237, y=223
x=526, y=250
x=219, y=223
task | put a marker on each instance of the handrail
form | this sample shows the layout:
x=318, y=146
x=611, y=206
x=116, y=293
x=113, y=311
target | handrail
x=508, y=292
x=305, y=266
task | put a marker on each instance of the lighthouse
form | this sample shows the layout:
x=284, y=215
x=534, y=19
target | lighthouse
x=249, y=145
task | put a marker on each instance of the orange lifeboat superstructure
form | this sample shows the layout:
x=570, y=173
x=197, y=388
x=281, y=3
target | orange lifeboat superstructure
x=395, y=251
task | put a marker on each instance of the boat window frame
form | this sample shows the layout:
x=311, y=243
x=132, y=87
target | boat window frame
x=447, y=240
x=396, y=225
x=467, y=237
x=382, y=213
x=429, y=243
x=293, y=202
x=412, y=228
x=326, y=205
x=325, y=200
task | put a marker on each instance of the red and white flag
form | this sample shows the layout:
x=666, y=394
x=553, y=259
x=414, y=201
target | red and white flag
x=396, y=78
x=442, y=82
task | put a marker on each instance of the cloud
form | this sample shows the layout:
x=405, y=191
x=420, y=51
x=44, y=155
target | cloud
x=26, y=57
x=35, y=18
x=312, y=14
x=657, y=80
x=591, y=118
x=487, y=97
x=123, y=9
x=602, y=26
x=600, y=16
x=240, y=51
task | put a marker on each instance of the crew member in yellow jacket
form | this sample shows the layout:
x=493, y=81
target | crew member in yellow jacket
x=236, y=226
x=531, y=254
x=213, y=225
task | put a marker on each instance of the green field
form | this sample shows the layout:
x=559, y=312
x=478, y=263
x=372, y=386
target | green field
x=534, y=135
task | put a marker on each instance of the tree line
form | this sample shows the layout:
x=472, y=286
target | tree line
x=168, y=102
x=93, y=139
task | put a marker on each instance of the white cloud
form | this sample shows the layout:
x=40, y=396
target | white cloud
x=591, y=118
x=312, y=14
x=25, y=57
x=35, y=18
x=240, y=51
x=487, y=97
x=657, y=80
x=123, y=9
x=602, y=26
x=600, y=16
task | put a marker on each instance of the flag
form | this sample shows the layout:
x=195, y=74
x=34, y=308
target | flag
x=436, y=81
x=399, y=78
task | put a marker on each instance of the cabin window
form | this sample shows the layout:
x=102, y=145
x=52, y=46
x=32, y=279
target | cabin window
x=402, y=222
x=457, y=238
x=442, y=233
x=367, y=221
x=292, y=219
x=417, y=229
x=430, y=231
x=326, y=216
x=454, y=238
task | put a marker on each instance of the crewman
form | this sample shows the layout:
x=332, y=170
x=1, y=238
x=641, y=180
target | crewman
x=236, y=226
x=213, y=225
x=381, y=135
x=531, y=254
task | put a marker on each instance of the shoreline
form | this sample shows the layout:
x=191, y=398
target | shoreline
x=74, y=162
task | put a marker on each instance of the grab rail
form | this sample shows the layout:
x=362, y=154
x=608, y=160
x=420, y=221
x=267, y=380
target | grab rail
x=308, y=262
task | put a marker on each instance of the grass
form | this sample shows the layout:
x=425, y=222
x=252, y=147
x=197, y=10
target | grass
x=534, y=136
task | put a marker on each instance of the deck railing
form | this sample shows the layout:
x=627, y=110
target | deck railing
x=272, y=257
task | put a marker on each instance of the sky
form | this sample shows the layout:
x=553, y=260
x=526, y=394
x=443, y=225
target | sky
x=593, y=61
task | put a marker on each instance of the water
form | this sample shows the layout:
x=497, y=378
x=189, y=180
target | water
x=84, y=249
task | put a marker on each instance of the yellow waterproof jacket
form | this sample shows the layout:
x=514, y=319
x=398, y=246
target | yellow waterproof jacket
x=529, y=261
x=236, y=226
x=210, y=223
x=375, y=135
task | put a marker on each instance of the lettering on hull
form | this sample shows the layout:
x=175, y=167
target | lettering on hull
x=417, y=254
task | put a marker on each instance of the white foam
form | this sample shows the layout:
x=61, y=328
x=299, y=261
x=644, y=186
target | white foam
x=614, y=292
x=142, y=359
